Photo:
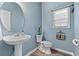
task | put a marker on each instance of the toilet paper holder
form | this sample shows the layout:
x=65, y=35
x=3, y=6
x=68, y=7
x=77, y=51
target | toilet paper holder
x=75, y=42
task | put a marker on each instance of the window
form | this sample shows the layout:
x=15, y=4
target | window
x=62, y=18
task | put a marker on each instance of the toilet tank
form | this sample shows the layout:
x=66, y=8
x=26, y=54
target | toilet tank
x=39, y=38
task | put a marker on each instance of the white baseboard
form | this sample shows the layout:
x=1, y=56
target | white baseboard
x=31, y=51
x=64, y=51
x=60, y=50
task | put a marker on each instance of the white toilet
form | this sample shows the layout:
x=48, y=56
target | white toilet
x=44, y=46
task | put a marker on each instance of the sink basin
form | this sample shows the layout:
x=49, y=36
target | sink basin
x=13, y=40
x=17, y=41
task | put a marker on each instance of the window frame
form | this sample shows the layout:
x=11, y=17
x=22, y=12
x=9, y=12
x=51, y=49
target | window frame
x=68, y=19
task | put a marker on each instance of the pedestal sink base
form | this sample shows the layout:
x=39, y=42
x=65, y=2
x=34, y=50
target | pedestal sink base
x=18, y=50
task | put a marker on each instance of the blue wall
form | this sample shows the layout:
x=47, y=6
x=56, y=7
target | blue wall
x=76, y=19
x=50, y=32
x=76, y=26
x=32, y=12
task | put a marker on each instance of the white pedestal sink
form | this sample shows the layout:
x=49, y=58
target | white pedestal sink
x=16, y=40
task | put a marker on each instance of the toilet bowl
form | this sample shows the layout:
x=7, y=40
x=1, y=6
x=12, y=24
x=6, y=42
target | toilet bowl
x=44, y=46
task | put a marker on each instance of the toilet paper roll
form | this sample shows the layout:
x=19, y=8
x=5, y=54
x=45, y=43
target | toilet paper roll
x=75, y=42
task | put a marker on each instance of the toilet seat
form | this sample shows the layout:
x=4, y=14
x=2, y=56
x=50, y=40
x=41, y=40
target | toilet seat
x=46, y=43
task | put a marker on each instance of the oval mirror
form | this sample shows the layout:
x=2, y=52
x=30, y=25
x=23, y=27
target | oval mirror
x=16, y=16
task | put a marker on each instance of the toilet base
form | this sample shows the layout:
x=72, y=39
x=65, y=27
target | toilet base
x=45, y=50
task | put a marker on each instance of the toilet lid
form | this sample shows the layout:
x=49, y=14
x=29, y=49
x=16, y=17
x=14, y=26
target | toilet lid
x=46, y=42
